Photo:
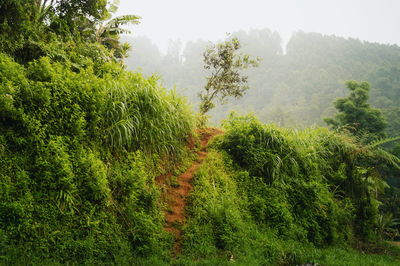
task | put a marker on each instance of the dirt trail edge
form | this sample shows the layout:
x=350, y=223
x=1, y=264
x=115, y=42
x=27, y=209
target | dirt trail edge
x=176, y=195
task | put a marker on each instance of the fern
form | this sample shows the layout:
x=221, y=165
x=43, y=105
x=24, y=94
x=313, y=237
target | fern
x=387, y=157
x=382, y=141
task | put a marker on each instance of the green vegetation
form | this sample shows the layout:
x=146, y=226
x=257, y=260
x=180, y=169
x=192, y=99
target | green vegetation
x=226, y=78
x=357, y=116
x=80, y=149
x=310, y=169
x=83, y=140
x=241, y=214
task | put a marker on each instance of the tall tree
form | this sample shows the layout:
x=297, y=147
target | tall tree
x=356, y=115
x=27, y=26
x=226, y=78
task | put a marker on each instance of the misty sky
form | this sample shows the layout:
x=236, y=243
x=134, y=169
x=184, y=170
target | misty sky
x=370, y=20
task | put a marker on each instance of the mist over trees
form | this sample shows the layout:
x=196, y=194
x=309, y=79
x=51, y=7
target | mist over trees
x=295, y=85
x=100, y=165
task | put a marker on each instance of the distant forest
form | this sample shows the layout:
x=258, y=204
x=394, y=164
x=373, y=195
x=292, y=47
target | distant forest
x=295, y=86
x=103, y=166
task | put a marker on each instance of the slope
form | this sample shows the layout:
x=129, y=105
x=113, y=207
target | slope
x=177, y=194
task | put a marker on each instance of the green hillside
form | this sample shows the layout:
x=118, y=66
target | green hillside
x=295, y=83
x=100, y=165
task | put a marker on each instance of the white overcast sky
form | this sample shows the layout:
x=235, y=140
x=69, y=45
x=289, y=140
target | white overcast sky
x=370, y=20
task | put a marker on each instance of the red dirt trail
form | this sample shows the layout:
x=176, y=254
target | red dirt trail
x=177, y=195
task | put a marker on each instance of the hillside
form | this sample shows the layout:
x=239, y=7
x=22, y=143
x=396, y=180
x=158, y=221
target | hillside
x=100, y=165
x=295, y=88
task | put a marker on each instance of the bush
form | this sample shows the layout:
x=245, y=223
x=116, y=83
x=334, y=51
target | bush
x=77, y=154
x=310, y=185
x=273, y=196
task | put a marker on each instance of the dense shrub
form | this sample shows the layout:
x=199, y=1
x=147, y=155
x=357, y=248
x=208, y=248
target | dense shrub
x=77, y=150
x=226, y=223
x=311, y=185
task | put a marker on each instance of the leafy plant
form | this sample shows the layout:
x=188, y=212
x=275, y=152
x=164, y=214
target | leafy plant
x=307, y=171
x=141, y=115
x=77, y=178
x=108, y=29
x=226, y=78
x=356, y=115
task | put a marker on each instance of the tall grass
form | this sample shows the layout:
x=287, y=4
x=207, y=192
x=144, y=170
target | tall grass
x=139, y=114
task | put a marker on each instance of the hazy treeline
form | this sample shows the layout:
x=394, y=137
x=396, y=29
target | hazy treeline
x=84, y=144
x=295, y=84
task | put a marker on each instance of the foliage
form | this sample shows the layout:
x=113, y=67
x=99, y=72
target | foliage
x=29, y=26
x=358, y=118
x=146, y=117
x=299, y=172
x=220, y=214
x=75, y=179
x=294, y=88
x=356, y=115
x=226, y=78
x=35, y=19
x=221, y=229
x=107, y=31
x=390, y=226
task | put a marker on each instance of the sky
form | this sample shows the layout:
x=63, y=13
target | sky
x=368, y=20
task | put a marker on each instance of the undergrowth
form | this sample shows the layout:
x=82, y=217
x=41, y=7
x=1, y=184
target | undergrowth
x=221, y=229
x=273, y=196
x=80, y=148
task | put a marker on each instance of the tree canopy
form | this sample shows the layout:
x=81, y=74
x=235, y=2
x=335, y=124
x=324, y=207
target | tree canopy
x=27, y=27
x=356, y=115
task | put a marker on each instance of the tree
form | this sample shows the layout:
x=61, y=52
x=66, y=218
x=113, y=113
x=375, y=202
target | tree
x=356, y=115
x=108, y=30
x=28, y=26
x=76, y=14
x=51, y=13
x=226, y=78
x=26, y=23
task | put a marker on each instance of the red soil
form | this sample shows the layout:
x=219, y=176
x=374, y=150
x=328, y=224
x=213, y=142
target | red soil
x=175, y=196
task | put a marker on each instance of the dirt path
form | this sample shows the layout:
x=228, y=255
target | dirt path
x=176, y=195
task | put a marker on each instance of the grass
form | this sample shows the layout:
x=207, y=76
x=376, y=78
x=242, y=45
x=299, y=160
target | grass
x=341, y=257
x=174, y=182
x=139, y=114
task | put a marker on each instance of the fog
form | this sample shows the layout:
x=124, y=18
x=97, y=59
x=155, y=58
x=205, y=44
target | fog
x=369, y=20
x=294, y=88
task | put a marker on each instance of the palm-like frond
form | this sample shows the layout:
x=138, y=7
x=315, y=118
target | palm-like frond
x=113, y=7
x=388, y=157
x=108, y=30
x=41, y=9
x=122, y=21
x=382, y=141
x=112, y=28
